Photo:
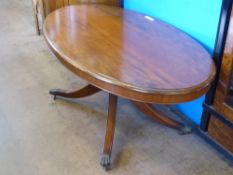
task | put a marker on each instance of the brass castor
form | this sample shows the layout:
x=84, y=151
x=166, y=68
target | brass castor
x=105, y=162
x=54, y=92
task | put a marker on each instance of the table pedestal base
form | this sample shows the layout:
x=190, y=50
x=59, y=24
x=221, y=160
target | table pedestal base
x=110, y=128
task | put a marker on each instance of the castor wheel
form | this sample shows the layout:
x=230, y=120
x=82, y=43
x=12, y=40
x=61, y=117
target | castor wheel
x=105, y=162
x=185, y=130
x=54, y=92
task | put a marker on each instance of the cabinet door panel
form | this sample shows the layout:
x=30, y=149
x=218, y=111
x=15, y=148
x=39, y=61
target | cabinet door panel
x=221, y=133
x=218, y=130
x=223, y=93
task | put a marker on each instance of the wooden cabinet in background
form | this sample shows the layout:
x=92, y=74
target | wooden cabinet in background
x=44, y=7
x=51, y=5
x=220, y=120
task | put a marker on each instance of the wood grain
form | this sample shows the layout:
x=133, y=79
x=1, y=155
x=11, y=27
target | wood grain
x=111, y=121
x=124, y=53
x=44, y=7
x=51, y=5
x=225, y=77
x=157, y=116
x=83, y=92
x=221, y=133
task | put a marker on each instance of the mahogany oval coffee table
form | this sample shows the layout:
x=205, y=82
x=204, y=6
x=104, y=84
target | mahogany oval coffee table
x=129, y=55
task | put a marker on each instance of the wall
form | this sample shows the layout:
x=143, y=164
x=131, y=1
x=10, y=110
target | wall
x=198, y=18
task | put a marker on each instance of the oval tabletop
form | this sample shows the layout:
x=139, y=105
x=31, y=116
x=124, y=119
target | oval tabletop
x=129, y=54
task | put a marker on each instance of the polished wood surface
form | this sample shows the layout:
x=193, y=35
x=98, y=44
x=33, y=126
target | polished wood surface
x=84, y=92
x=129, y=55
x=160, y=117
x=155, y=115
x=110, y=129
x=222, y=133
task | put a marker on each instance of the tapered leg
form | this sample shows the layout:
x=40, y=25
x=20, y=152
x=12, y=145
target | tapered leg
x=161, y=118
x=110, y=128
x=84, y=92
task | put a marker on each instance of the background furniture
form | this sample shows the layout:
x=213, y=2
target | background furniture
x=217, y=117
x=106, y=46
x=44, y=7
x=38, y=8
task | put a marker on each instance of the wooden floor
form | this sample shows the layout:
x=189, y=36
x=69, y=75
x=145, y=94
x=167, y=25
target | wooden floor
x=41, y=137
